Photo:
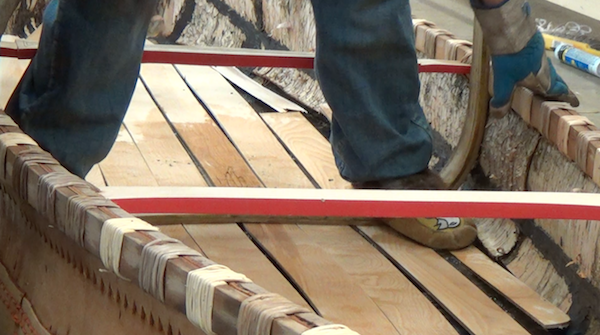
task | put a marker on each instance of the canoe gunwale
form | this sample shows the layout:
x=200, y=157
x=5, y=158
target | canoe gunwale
x=227, y=297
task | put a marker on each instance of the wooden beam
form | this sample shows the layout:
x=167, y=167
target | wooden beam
x=175, y=54
x=525, y=298
x=465, y=154
x=287, y=203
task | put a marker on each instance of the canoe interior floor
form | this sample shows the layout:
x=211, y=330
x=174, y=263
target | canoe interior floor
x=188, y=126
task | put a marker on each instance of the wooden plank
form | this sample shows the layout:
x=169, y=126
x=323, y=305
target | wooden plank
x=125, y=165
x=543, y=312
x=530, y=265
x=309, y=147
x=258, y=91
x=229, y=245
x=165, y=156
x=456, y=293
x=217, y=155
x=224, y=243
x=331, y=289
x=356, y=203
x=11, y=71
x=403, y=304
x=252, y=137
x=336, y=294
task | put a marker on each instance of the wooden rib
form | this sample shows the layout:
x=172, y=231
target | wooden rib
x=526, y=299
x=258, y=91
x=331, y=289
x=223, y=243
x=466, y=152
x=386, y=286
x=456, y=293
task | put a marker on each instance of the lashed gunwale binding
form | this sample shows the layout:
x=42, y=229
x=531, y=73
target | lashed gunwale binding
x=53, y=271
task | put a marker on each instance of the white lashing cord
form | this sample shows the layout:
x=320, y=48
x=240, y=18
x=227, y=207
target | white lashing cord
x=21, y=167
x=46, y=192
x=73, y=224
x=111, y=240
x=155, y=255
x=258, y=312
x=11, y=140
x=200, y=290
x=330, y=330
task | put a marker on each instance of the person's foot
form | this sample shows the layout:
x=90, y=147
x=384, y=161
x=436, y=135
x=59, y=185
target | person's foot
x=436, y=233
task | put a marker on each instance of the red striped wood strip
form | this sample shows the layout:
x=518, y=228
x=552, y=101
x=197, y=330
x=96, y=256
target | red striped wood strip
x=355, y=203
x=170, y=54
x=540, y=310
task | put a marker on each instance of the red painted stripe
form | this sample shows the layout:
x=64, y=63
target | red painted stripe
x=9, y=52
x=221, y=59
x=349, y=208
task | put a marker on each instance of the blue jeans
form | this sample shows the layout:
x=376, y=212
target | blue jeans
x=74, y=95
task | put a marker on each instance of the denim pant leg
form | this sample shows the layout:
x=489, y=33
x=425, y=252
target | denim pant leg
x=76, y=91
x=367, y=69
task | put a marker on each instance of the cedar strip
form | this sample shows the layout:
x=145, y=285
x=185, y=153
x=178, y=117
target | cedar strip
x=454, y=291
x=526, y=299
